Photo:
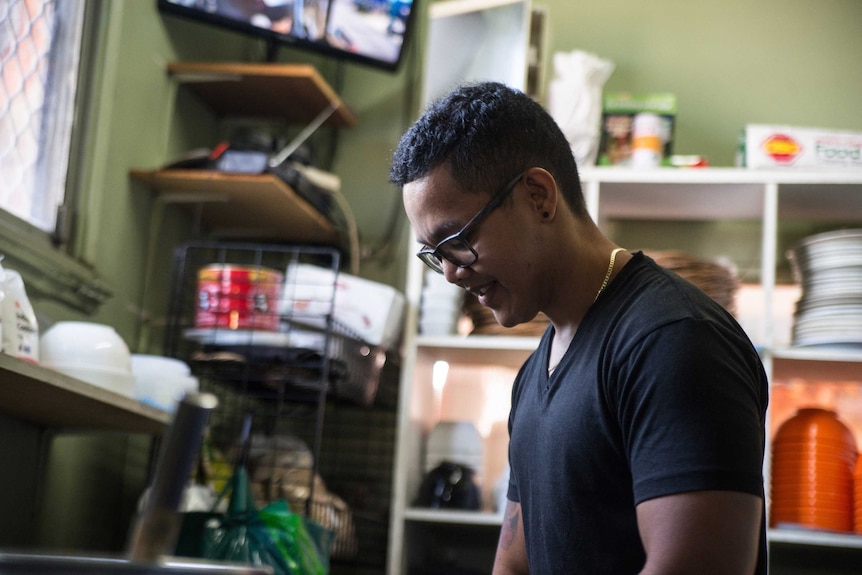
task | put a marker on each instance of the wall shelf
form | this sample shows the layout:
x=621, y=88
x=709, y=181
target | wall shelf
x=296, y=93
x=253, y=206
x=242, y=205
x=44, y=397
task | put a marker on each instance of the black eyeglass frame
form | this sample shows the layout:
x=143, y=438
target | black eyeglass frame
x=433, y=257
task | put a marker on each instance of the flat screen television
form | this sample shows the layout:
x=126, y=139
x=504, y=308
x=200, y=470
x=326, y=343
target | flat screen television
x=371, y=32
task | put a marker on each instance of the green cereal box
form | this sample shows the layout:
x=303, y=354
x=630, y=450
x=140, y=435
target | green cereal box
x=620, y=111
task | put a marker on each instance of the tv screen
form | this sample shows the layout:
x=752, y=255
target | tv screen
x=372, y=32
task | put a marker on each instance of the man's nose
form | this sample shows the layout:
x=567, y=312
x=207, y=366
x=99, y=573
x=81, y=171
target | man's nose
x=453, y=272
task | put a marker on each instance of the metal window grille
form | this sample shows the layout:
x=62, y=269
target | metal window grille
x=39, y=54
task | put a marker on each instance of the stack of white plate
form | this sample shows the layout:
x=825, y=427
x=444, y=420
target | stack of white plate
x=441, y=305
x=828, y=267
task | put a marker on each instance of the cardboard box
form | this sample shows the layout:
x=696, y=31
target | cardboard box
x=771, y=146
x=618, y=119
x=370, y=311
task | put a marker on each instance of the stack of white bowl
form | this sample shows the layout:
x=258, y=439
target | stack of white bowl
x=441, y=305
x=456, y=442
x=91, y=352
x=162, y=381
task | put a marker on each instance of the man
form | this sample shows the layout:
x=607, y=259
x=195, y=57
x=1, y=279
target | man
x=637, y=426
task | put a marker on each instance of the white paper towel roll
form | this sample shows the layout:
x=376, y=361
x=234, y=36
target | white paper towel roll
x=575, y=100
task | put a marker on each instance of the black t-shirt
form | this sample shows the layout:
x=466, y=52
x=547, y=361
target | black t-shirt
x=660, y=392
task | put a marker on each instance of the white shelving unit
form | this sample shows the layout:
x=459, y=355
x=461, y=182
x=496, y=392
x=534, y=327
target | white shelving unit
x=465, y=40
x=771, y=205
x=475, y=40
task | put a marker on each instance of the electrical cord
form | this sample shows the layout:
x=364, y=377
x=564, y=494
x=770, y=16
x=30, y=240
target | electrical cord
x=352, y=229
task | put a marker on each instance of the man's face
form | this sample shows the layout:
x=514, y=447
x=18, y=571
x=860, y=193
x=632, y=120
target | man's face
x=437, y=208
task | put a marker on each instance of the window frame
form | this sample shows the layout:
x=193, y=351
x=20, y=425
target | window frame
x=48, y=261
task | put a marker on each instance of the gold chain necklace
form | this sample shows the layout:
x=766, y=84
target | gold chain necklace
x=610, y=270
x=601, y=289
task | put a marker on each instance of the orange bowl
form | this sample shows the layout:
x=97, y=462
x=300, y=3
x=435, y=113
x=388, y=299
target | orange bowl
x=815, y=478
x=813, y=459
x=842, y=497
x=820, y=453
x=812, y=470
x=814, y=423
x=807, y=491
x=813, y=518
x=826, y=505
x=838, y=522
x=803, y=491
x=815, y=445
x=844, y=507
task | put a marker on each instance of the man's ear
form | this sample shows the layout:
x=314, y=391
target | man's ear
x=543, y=192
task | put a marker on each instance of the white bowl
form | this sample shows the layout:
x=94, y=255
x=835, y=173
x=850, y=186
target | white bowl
x=158, y=366
x=455, y=441
x=164, y=393
x=161, y=381
x=86, y=345
x=112, y=380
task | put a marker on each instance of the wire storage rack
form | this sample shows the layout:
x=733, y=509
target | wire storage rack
x=264, y=340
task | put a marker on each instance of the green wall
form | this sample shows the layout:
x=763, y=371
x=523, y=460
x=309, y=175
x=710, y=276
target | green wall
x=730, y=63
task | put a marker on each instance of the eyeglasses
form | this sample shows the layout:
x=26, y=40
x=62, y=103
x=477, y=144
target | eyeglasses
x=456, y=248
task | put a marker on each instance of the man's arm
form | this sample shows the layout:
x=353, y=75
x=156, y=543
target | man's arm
x=511, y=558
x=703, y=532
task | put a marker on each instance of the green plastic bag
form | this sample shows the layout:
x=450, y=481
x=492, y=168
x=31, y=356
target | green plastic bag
x=240, y=535
x=304, y=544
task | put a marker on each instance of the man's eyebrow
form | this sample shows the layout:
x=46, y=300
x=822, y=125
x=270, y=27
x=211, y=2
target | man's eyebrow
x=443, y=230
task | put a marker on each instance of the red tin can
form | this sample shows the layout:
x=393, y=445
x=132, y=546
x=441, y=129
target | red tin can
x=238, y=297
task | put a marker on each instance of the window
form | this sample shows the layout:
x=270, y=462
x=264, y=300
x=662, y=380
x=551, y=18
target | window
x=40, y=51
x=39, y=54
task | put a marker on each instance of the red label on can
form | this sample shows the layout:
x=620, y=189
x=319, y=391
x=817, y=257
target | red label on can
x=236, y=297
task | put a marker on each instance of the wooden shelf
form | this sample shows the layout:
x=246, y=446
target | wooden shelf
x=453, y=516
x=293, y=92
x=250, y=206
x=479, y=350
x=812, y=537
x=44, y=397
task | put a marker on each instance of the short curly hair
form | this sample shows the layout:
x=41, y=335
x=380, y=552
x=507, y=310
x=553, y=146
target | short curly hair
x=486, y=133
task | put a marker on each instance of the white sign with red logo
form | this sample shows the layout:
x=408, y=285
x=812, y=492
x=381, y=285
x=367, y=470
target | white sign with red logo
x=769, y=146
